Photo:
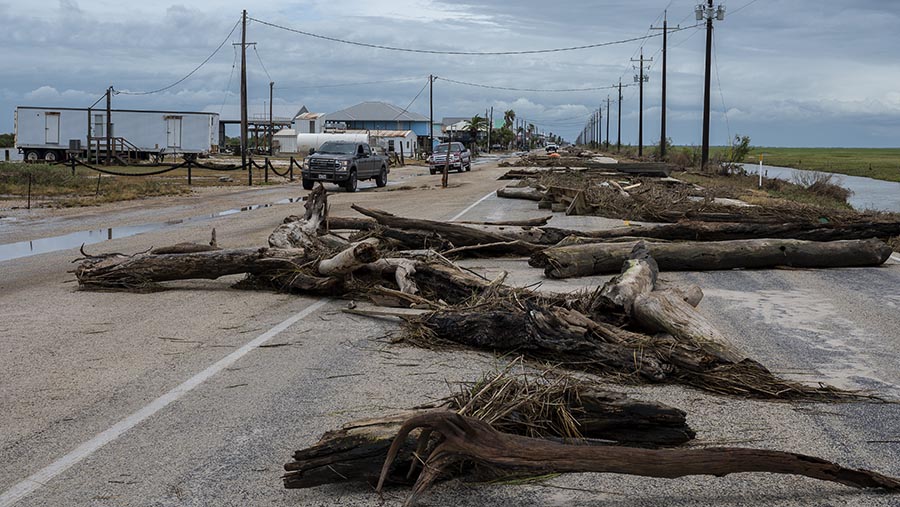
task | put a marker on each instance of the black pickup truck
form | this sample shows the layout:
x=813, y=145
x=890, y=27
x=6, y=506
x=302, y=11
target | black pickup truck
x=344, y=163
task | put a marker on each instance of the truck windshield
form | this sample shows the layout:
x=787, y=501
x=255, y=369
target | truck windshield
x=442, y=148
x=337, y=148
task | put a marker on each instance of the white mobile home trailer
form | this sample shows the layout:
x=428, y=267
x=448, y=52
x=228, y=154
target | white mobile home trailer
x=46, y=133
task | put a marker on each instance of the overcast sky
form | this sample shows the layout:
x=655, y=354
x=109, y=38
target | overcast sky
x=786, y=73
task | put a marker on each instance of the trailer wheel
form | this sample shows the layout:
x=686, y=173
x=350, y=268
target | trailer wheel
x=50, y=156
x=32, y=155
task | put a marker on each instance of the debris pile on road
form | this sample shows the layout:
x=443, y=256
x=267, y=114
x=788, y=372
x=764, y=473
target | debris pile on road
x=629, y=327
x=633, y=329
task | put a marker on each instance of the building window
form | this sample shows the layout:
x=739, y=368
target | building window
x=312, y=127
x=390, y=145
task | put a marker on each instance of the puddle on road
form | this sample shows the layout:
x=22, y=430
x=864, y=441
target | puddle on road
x=12, y=251
x=28, y=248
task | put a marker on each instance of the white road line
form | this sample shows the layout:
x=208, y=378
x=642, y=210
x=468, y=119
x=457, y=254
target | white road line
x=39, y=478
x=476, y=203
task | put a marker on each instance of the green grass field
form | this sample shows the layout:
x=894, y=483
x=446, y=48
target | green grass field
x=878, y=163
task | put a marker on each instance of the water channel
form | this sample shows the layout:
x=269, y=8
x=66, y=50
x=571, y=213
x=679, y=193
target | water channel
x=868, y=193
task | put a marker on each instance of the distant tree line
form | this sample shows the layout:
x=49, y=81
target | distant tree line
x=7, y=140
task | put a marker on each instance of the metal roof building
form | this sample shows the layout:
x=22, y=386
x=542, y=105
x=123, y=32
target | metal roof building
x=375, y=112
x=373, y=116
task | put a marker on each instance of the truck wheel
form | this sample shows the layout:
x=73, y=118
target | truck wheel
x=381, y=179
x=350, y=185
x=32, y=155
x=308, y=184
x=50, y=156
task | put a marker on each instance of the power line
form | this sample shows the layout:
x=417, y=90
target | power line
x=261, y=63
x=191, y=73
x=719, y=84
x=524, y=89
x=230, y=76
x=739, y=9
x=689, y=37
x=405, y=109
x=351, y=84
x=467, y=53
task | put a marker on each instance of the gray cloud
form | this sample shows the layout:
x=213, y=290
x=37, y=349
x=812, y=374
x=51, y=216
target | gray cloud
x=792, y=73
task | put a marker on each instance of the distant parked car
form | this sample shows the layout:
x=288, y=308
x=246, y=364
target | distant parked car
x=552, y=148
x=460, y=158
x=496, y=147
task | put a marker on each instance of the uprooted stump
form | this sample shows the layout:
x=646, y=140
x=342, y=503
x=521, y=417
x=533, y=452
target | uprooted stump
x=548, y=405
x=464, y=439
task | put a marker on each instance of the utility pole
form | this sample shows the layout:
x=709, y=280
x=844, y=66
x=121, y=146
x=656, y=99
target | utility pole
x=110, y=147
x=600, y=127
x=619, y=120
x=591, y=129
x=487, y=146
x=431, y=114
x=490, y=128
x=662, y=126
x=244, y=93
x=640, y=78
x=607, y=122
x=271, y=122
x=109, y=125
x=707, y=12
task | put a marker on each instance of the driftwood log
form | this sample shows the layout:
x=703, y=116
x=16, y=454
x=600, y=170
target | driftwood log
x=528, y=193
x=600, y=258
x=726, y=231
x=354, y=223
x=357, y=451
x=466, y=439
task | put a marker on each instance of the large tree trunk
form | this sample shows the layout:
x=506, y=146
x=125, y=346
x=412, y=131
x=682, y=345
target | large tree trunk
x=282, y=268
x=725, y=231
x=466, y=439
x=601, y=258
x=144, y=270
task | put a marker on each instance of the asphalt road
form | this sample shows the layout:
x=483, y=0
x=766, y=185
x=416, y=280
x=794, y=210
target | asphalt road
x=114, y=399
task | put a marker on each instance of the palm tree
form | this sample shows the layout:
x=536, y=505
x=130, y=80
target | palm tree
x=508, y=118
x=476, y=123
